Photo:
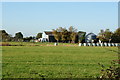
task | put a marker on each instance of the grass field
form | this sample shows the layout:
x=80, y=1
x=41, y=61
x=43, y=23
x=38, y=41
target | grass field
x=55, y=61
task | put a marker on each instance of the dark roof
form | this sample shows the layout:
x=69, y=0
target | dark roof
x=81, y=32
x=90, y=33
x=48, y=32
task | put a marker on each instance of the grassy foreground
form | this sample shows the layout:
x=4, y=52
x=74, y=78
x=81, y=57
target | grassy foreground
x=55, y=61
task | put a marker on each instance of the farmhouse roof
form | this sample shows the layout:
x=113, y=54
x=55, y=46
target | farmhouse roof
x=48, y=32
x=92, y=34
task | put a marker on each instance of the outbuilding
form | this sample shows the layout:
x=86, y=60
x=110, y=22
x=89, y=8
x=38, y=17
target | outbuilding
x=90, y=37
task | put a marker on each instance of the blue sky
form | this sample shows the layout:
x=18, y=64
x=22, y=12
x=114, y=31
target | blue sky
x=33, y=17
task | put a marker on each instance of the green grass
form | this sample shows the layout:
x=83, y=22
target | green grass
x=55, y=61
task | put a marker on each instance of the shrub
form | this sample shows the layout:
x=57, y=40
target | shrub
x=111, y=72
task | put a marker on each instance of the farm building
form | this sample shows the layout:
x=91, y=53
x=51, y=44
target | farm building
x=81, y=36
x=90, y=37
x=47, y=36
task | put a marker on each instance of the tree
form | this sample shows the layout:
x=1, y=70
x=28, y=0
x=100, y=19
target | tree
x=61, y=34
x=57, y=35
x=72, y=29
x=4, y=36
x=39, y=35
x=27, y=39
x=64, y=34
x=105, y=36
x=73, y=33
x=116, y=36
x=19, y=36
x=60, y=29
x=73, y=36
x=108, y=35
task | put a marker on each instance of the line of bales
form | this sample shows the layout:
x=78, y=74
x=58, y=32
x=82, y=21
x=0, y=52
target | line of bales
x=100, y=44
x=97, y=44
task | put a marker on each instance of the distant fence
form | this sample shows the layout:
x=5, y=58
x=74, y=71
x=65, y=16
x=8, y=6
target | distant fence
x=100, y=44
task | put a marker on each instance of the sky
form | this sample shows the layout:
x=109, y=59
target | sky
x=31, y=18
x=60, y=0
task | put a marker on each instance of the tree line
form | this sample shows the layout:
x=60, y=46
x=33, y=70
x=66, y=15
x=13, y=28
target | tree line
x=109, y=36
x=5, y=37
x=64, y=35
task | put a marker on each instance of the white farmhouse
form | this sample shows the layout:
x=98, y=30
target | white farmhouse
x=47, y=36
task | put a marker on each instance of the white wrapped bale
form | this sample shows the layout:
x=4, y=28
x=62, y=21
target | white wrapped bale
x=80, y=44
x=55, y=44
x=116, y=44
x=109, y=44
x=101, y=44
x=105, y=44
x=97, y=44
x=84, y=44
x=112, y=44
x=88, y=44
x=93, y=44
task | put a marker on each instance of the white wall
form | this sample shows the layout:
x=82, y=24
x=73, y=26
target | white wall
x=44, y=35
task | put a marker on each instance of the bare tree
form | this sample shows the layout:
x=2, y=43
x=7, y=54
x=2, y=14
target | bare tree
x=57, y=35
x=73, y=33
